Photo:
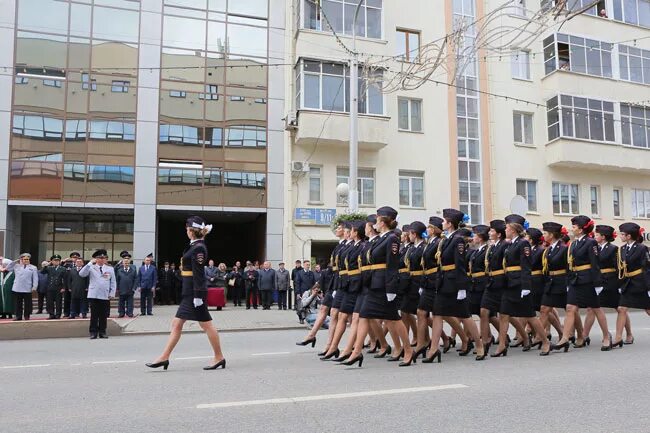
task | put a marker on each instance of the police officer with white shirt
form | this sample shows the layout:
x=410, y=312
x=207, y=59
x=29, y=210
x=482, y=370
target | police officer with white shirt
x=101, y=289
x=25, y=282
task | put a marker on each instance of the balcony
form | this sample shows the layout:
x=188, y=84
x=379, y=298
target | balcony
x=334, y=130
x=572, y=153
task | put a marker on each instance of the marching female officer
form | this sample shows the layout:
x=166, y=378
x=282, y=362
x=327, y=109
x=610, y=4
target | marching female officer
x=536, y=240
x=453, y=283
x=491, y=301
x=608, y=259
x=555, y=270
x=585, y=283
x=193, y=305
x=476, y=268
x=380, y=301
x=634, y=270
x=412, y=283
x=515, y=301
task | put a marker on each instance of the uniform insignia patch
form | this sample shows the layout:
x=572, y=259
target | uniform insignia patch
x=526, y=251
x=200, y=258
x=595, y=250
x=461, y=248
x=394, y=248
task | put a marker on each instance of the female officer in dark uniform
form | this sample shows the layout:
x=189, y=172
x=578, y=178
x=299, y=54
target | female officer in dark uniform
x=554, y=268
x=491, y=301
x=476, y=268
x=193, y=305
x=515, y=301
x=634, y=270
x=380, y=301
x=608, y=259
x=453, y=283
x=411, y=296
x=350, y=286
x=536, y=240
x=585, y=282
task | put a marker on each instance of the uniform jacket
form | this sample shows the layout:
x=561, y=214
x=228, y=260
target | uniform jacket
x=342, y=282
x=518, y=254
x=584, y=252
x=404, y=277
x=414, y=259
x=127, y=281
x=166, y=278
x=25, y=277
x=385, y=251
x=537, y=265
x=352, y=266
x=334, y=266
x=494, y=260
x=148, y=278
x=365, y=261
x=428, y=261
x=55, y=277
x=194, y=257
x=556, y=261
x=633, y=258
x=77, y=284
x=476, y=268
x=452, y=252
x=608, y=260
x=282, y=278
x=102, y=283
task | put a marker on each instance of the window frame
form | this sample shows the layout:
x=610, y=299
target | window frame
x=570, y=188
x=320, y=24
x=556, y=59
x=409, y=114
x=617, y=201
x=522, y=126
x=120, y=86
x=594, y=201
x=360, y=182
x=645, y=200
x=558, y=107
x=527, y=183
x=410, y=176
x=407, y=56
x=311, y=176
x=517, y=64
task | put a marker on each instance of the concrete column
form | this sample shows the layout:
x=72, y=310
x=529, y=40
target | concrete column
x=7, y=43
x=146, y=153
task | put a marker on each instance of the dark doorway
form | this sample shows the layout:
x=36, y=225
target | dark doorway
x=321, y=251
x=234, y=237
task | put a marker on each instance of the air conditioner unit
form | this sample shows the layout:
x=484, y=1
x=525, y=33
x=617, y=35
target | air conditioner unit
x=291, y=121
x=299, y=167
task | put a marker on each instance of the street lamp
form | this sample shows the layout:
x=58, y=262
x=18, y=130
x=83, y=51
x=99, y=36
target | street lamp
x=353, y=199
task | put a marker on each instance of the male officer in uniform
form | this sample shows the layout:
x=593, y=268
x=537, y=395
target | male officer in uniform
x=68, y=264
x=101, y=288
x=55, y=286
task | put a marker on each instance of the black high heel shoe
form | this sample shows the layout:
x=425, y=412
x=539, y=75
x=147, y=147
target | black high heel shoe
x=323, y=353
x=433, y=357
x=353, y=361
x=422, y=352
x=548, y=352
x=537, y=345
x=396, y=358
x=519, y=343
x=342, y=358
x=470, y=347
x=481, y=357
x=588, y=341
x=527, y=347
x=311, y=341
x=452, y=341
x=608, y=347
x=221, y=364
x=618, y=344
x=164, y=364
x=504, y=353
x=334, y=354
x=384, y=353
x=629, y=342
x=446, y=345
x=580, y=346
x=413, y=360
x=376, y=348
x=564, y=346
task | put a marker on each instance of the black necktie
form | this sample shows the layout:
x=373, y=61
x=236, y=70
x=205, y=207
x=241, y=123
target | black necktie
x=100, y=270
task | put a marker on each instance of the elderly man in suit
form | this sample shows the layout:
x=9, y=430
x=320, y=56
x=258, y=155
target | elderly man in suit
x=147, y=281
x=266, y=284
x=101, y=288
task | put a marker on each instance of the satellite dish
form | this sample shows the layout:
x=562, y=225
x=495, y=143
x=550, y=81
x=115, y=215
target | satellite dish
x=519, y=205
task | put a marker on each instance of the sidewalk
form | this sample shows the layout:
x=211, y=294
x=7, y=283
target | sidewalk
x=230, y=319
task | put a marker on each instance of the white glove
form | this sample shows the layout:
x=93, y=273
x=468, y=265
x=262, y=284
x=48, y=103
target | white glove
x=567, y=289
x=620, y=291
x=197, y=302
x=648, y=293
x=334, y=294
x=420, y=291
x=525, y=293
x=462, y=294
x=391, y=297
x=598, y=290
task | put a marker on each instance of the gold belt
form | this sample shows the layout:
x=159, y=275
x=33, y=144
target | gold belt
x=608, y=270
x=378, y=267
x=580, y=268
x=417, y=273
x=366, y=268
x=558, y=272
x=187, y=273
x=633, y=273
x=335, y=268
x=536, y=273
x=448, y=268
x=496, y=273
x=430, y=271
x=513, y=268
x=354, y=272
x=478, y=274
x=404, y=270
x=343, y=272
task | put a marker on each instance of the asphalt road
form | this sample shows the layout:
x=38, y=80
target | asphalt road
x=271, y=385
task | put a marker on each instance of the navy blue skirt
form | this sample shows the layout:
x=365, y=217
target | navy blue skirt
x=360, y=299
x=639, y=301
x=336, y=303
x=446, y=304
x=376, y=306
x=427, y=299
x=583, y=296
x=555, y=300
x=514, y=305
x=187, y=310
x=474, y=298
x=348, y=303
x=492, y=300
x=328, y=299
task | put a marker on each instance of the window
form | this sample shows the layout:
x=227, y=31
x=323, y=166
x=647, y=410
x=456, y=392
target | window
x=314, y=184
x=260, y=100
x=75, y=130
x=520, y=65
x=210, y=93
x=616, y=201
x=325, y=86
x=633, y=12
x=338, y=15
x=408, y=46
x=523, y=127
x=565, y=198
x=641, y=203
x=245, y=179
x=181, y=134
x=120, y=86
x=574, y=5
x=235, y=98
x=588, y=119
x=365, y=185
x=112, y=130
x=576, y=54
x=528, y=189
x=110, y=173
x=51, y=83
x=411, y=188
x=409, y=114
x=246, y=136
x=594, y=197
x=634, y=64
x=635, y=125
x=38, y=127
x=177, y=94
x=21, y=80
x=179, y=176
x=87, y=83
